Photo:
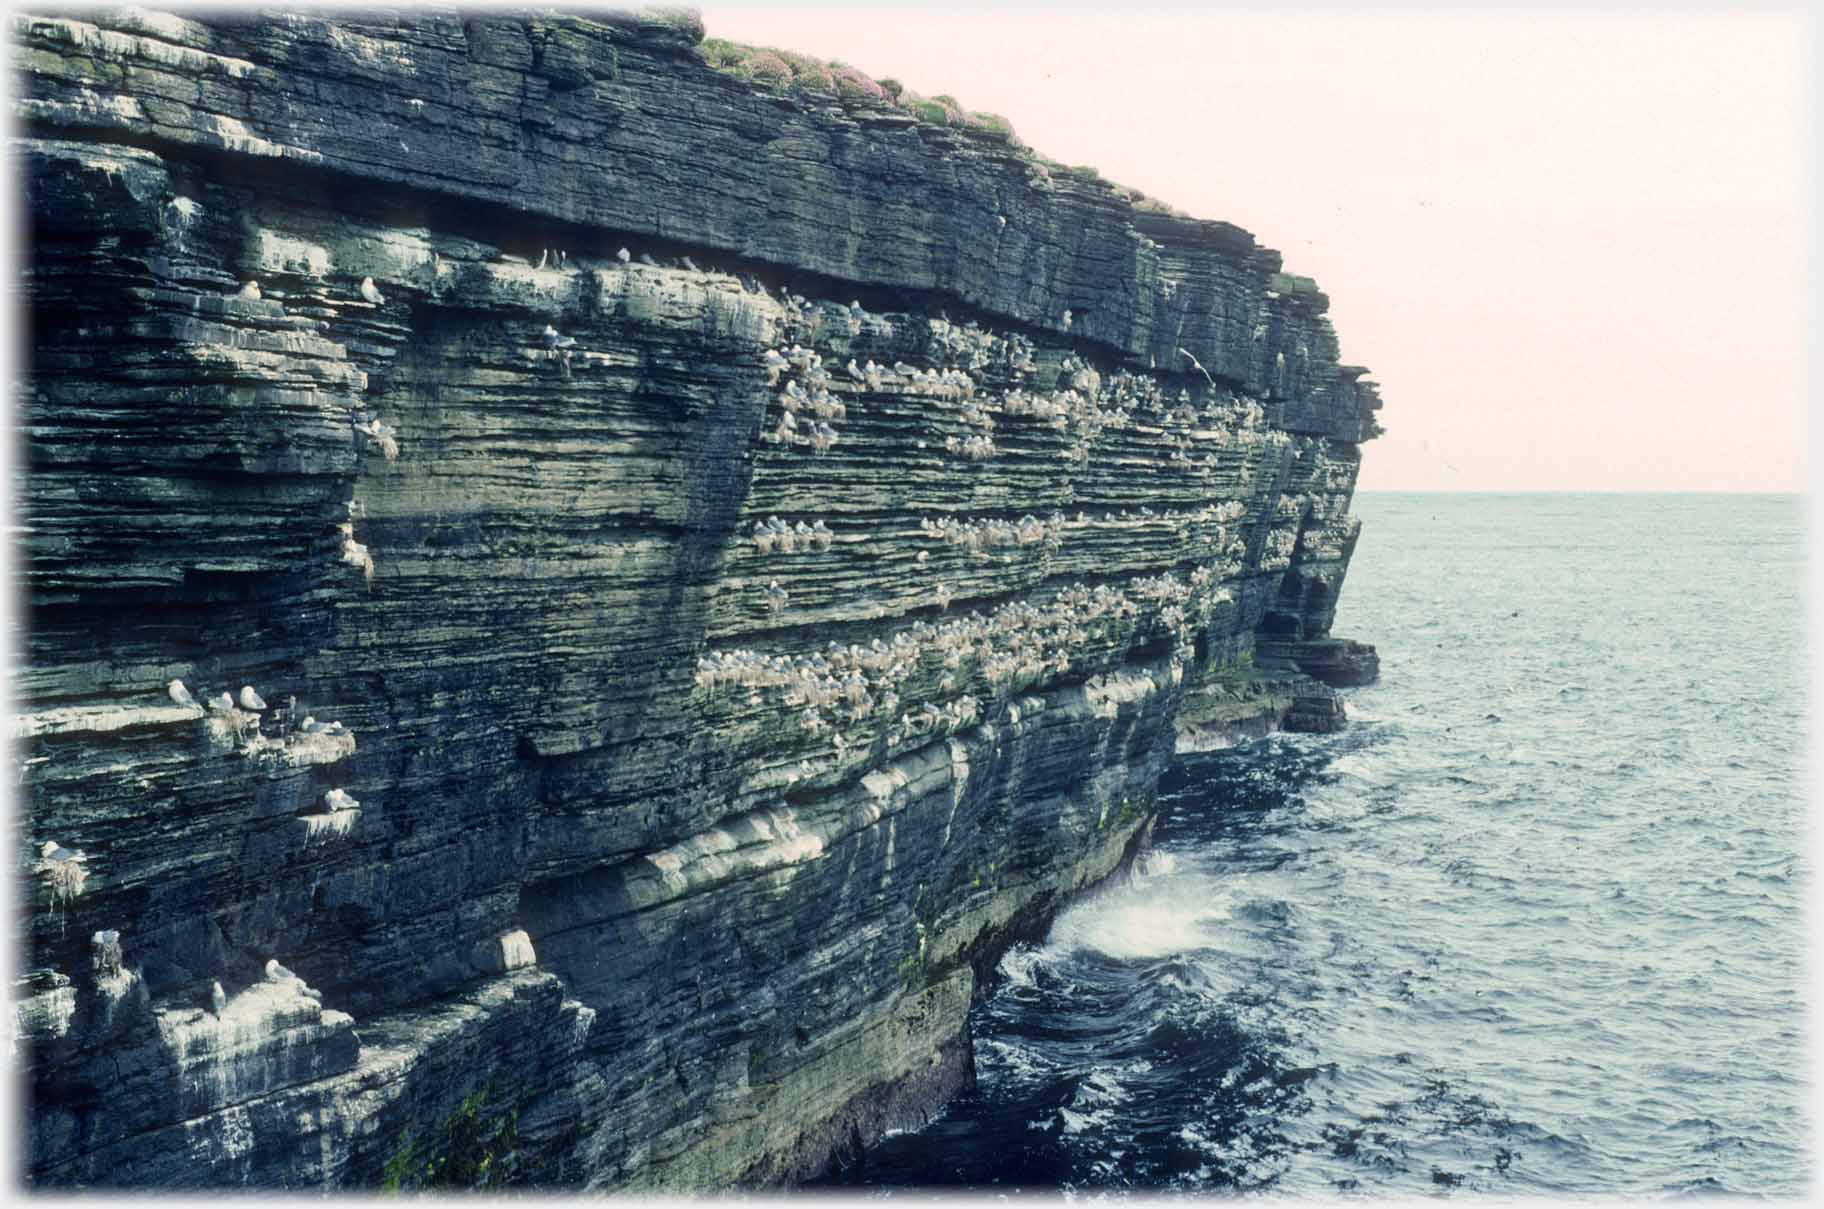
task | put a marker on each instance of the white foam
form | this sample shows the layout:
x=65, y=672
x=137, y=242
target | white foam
x=1147, y=918
x=1019, y=964
x=1155, y=862
x=1081, y=1122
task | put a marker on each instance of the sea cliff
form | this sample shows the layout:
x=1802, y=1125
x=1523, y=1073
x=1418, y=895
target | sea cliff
x=716, y=557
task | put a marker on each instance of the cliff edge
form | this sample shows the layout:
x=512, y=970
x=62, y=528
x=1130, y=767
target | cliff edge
x=711, y=556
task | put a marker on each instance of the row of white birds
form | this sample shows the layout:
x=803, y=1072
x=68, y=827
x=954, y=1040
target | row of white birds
x=369, y=292
x=979, y=534
x=1235, y=422
x=1019, y=643
x=1204, y=531
x=249, y=702
x=972, y=348
x=774, y=534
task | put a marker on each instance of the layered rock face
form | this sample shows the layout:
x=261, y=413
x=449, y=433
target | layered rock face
x=712, y=567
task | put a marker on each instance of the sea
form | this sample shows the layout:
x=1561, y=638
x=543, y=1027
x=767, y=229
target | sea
x=1533, y=924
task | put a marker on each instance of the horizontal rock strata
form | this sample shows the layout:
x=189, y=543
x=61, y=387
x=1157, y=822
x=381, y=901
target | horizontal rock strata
x=709, y=568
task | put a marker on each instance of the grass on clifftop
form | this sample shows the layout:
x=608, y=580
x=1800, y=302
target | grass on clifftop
x=787, y=71
x=783, y=70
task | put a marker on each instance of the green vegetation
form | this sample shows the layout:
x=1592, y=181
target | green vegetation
x=1152, y=205
x=911, y=971
x=685, y=20
x=473, y=1149
x=782, y=69
x=785, y=70
x=995, y=124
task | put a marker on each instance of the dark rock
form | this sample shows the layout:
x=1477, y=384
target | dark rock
x=1338, y=662
x=611, y=898
x=1318, y=710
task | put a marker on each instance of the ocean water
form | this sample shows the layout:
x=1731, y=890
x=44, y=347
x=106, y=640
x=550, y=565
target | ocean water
x=1533, y=924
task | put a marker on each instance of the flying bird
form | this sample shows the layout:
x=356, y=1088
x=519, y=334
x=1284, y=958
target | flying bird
x=251, y=700
x=371, y=292
x=180, y=694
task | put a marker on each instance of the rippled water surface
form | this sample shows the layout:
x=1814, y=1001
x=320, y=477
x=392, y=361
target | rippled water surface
x=1532, y=924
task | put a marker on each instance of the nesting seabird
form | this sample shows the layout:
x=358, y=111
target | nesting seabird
x=221, y=703
x=623, y=256
x=218, y=998
x=647, y=260
x=690, y=264
x=371, y=292
x=1067, y=319
x=180, y=694
x=106, y=960
x=278, y=973
x=251, y=700
x=544, y=254
x=336, y=800
x=554, y=340
x=53, y=851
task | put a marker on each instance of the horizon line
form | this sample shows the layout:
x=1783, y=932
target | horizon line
x=1571, y=491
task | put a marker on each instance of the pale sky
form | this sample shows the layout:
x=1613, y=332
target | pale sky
x=1570, y=247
